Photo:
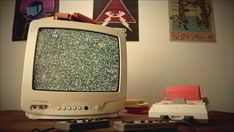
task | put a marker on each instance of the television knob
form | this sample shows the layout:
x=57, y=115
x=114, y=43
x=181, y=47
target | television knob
x=64, y=108
x=79, y=108
x=74, y=108
x=97, y=107
x=59, y=108
x=69, y=107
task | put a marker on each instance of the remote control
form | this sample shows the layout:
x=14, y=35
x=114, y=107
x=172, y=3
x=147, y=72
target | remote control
x=81, y=125
x=146, y=125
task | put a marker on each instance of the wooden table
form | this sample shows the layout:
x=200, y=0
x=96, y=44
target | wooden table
x=15, y=121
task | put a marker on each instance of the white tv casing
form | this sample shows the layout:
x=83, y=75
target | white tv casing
x=70, y=105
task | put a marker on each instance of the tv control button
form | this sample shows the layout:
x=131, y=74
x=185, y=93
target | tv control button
x=64, y=108
x=74, y=108
x=69, y=107
x=86, y=107
x=79, y=108
x=59, y=108
x=97, y=107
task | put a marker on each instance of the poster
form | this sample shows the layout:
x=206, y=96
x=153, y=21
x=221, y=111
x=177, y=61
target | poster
x=119, y=14
x=28, y=10
x=191, y=20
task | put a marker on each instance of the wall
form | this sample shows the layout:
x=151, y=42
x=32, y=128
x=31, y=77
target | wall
x=11, y=59
x=153, y=63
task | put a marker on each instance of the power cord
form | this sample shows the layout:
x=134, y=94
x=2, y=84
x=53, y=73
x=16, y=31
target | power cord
x=42, y=130
x=188, y=120
x=191, y=125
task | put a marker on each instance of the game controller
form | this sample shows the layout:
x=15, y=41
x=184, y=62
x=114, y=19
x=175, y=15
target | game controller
x=146, y=125
x=81, y=125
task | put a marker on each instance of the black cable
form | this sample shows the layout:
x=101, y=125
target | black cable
x=42, y=130
x=194, y=127
x=189, y=122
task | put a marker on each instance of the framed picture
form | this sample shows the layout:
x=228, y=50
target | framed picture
x=119, y=14
x=191, y=20
x=28, y=10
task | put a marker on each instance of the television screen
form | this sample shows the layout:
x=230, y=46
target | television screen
x=74, y=60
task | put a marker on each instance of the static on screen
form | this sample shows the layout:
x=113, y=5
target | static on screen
x=76, y=60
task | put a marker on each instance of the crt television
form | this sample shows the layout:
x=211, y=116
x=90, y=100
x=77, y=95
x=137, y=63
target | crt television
x=73, y=70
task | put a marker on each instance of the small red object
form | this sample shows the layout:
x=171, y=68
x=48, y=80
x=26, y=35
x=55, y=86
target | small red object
x=75, y=17
x=63, y=16
x=140, y=110
x=82, y=18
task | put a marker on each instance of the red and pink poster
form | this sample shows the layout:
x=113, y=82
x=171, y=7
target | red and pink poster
x=119, y=14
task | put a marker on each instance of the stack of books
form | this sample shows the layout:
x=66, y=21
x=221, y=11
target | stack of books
x=136, y=106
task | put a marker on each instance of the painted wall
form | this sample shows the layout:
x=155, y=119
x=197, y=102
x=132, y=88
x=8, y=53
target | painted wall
x=153, y=63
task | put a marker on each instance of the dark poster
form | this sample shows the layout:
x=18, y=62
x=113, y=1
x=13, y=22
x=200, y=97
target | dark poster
x=119, y=14
x=28, y=10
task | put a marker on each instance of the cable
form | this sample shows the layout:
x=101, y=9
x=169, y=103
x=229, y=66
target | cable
x=191, y=125
x=42, y=130
x=189, y=122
